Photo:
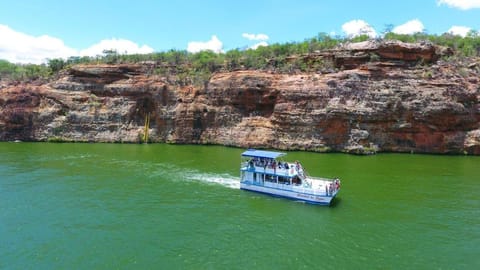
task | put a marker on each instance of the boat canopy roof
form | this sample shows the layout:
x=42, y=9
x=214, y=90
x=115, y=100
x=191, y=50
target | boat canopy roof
x=262, y=154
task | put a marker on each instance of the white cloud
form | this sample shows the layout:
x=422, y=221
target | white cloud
x=214, y=44
x=17, y=47
x=461, y=4
x=357, y=28
x=262, y=37
x=255, y=46
x=410, y=27
x=122, y=46
x=256, y=37
x=459, y=30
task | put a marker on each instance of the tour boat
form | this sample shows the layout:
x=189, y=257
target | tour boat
x=266, y=172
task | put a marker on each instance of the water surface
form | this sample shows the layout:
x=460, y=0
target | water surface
x=113, y=206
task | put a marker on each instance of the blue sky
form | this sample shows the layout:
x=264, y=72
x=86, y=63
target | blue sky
x=34, y=30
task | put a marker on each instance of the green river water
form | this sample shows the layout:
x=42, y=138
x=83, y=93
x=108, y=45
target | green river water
x=113, y=206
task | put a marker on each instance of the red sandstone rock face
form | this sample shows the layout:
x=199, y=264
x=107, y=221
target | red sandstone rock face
x=353, y=114
x=371, y=106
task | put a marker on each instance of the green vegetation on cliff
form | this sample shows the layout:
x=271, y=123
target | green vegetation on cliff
x=197, y=67
x=19, y=72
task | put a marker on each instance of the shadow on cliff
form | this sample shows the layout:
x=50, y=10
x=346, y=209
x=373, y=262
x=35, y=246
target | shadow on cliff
x=145, y=105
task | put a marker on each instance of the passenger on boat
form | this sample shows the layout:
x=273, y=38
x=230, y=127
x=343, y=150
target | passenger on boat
x=251, y=163
x=295, y=181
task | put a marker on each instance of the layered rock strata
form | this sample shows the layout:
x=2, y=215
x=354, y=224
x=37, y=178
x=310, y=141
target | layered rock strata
x=380, y=97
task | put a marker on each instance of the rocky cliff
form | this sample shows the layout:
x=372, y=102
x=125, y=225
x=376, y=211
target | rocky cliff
x=388, y=96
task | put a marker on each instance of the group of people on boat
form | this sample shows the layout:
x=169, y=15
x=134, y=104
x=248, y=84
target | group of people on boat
x=268, y=163
x=332, y=187
x=271, y=163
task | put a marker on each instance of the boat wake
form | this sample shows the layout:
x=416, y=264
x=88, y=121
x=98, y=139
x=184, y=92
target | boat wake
x=221, y=179
x=169, y=171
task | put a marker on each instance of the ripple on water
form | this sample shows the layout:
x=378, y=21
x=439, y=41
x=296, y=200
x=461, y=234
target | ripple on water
x=164, y=206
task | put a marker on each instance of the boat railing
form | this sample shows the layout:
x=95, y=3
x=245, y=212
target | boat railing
x=291, y=171
x=312, y=178
x=328, y=187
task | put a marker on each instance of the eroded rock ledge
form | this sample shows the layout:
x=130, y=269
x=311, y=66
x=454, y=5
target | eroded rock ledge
x=381, y=97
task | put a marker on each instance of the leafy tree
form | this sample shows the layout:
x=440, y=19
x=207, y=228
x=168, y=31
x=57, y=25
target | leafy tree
x=233, y=59
x=6, y=68
x=110, y=56
x=360, y=38
x=56, y=65
x=197, y=68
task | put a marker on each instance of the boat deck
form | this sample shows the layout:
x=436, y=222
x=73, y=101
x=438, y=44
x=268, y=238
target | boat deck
x=262, y=171
x=310, y=185
x=280, y=171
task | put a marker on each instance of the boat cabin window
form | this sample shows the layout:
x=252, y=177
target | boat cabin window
x=296, y=181
x=283, y=180
x=270, y=178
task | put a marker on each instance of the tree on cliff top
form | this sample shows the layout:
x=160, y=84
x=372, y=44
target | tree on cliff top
x=22, y=72
x=275, y=57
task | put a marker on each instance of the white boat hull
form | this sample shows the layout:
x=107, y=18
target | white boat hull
x=290, y=192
